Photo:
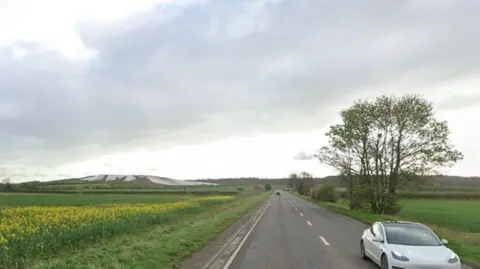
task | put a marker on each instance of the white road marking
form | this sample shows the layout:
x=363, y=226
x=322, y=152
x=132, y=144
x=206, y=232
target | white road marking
x=235, y=253
x=301, y=214
x=308, y=222
x=296, y=209
x=215, y=257
x=324, y=241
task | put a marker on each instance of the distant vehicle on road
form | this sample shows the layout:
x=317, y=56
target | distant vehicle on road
x=278, y=193
x=406, y=245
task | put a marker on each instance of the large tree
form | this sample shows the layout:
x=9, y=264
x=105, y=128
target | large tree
x=301, y=182
x=292, y=178
x=382, y=145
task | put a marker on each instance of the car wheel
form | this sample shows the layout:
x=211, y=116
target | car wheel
x=384, y=263
x=362, y=251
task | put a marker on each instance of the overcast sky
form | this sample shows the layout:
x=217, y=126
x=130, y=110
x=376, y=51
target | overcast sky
x=198, y=88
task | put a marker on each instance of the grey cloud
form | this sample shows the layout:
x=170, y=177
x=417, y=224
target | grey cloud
x=460, y=101
x=220, y=68
x=303, y=156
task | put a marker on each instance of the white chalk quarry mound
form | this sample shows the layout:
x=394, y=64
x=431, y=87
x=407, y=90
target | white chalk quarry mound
x=154, y=179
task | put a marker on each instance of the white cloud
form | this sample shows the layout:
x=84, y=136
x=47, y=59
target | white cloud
x=53, y=24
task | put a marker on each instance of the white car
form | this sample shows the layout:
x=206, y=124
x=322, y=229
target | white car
x=406, y=245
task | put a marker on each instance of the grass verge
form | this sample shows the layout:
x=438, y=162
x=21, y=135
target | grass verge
x=161, y=247
x=466, y=245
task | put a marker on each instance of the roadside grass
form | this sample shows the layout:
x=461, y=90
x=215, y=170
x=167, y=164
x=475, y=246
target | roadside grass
x=161, y=246
x=454, y=225
x=39, y=199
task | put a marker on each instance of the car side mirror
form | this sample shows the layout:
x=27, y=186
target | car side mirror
x=444, y=241
x=376, y=239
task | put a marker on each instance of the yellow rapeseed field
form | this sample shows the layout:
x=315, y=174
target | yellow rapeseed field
x=26, y=231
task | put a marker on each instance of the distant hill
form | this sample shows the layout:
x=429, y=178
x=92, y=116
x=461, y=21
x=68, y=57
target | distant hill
x=126, y=180
x=109, y=181
x=146, y=180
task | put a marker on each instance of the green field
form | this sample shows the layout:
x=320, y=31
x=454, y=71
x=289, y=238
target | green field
x=458, y=215
x=462, y=216
x=112, y=230
x=17, y=199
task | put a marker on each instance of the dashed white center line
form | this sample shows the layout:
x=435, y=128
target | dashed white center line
x=308, y=222
x=324, y=241
x=296, y=209
x=301, y=214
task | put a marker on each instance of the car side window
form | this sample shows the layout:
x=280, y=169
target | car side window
x=378, y=231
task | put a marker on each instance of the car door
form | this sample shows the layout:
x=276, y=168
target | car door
x=377, y=242
x=368, y=241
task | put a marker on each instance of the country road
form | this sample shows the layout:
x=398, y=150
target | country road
x=294, y=233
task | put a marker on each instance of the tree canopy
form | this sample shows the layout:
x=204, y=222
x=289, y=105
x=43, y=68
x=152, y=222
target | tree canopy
x=301, y=182
x=268, y=187
x=385, y=143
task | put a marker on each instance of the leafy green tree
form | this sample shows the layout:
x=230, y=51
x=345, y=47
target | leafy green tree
x=307, y=186
x=382, y=145
x=291, y=180
x=268, y=187
x=301, y=182
x=7, y=183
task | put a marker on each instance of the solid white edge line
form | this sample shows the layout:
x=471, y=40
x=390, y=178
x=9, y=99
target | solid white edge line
x=308, y=222
x=301, y=214
x=214, y=257
x=324, y=241
x=235, y=253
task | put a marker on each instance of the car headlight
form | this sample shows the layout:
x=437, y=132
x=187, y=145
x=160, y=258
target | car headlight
x=398, y=256
x=453, y=258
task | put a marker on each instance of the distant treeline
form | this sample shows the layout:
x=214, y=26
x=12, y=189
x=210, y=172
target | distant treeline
x=430, y=183
x=449, y=195
x=439, y=182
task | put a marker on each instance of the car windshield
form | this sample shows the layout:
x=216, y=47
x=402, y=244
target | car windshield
x=411, y=235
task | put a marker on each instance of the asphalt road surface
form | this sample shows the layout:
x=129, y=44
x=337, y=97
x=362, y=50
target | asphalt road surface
x=296, y=234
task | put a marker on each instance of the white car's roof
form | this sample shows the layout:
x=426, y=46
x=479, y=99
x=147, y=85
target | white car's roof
x=401, y=222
